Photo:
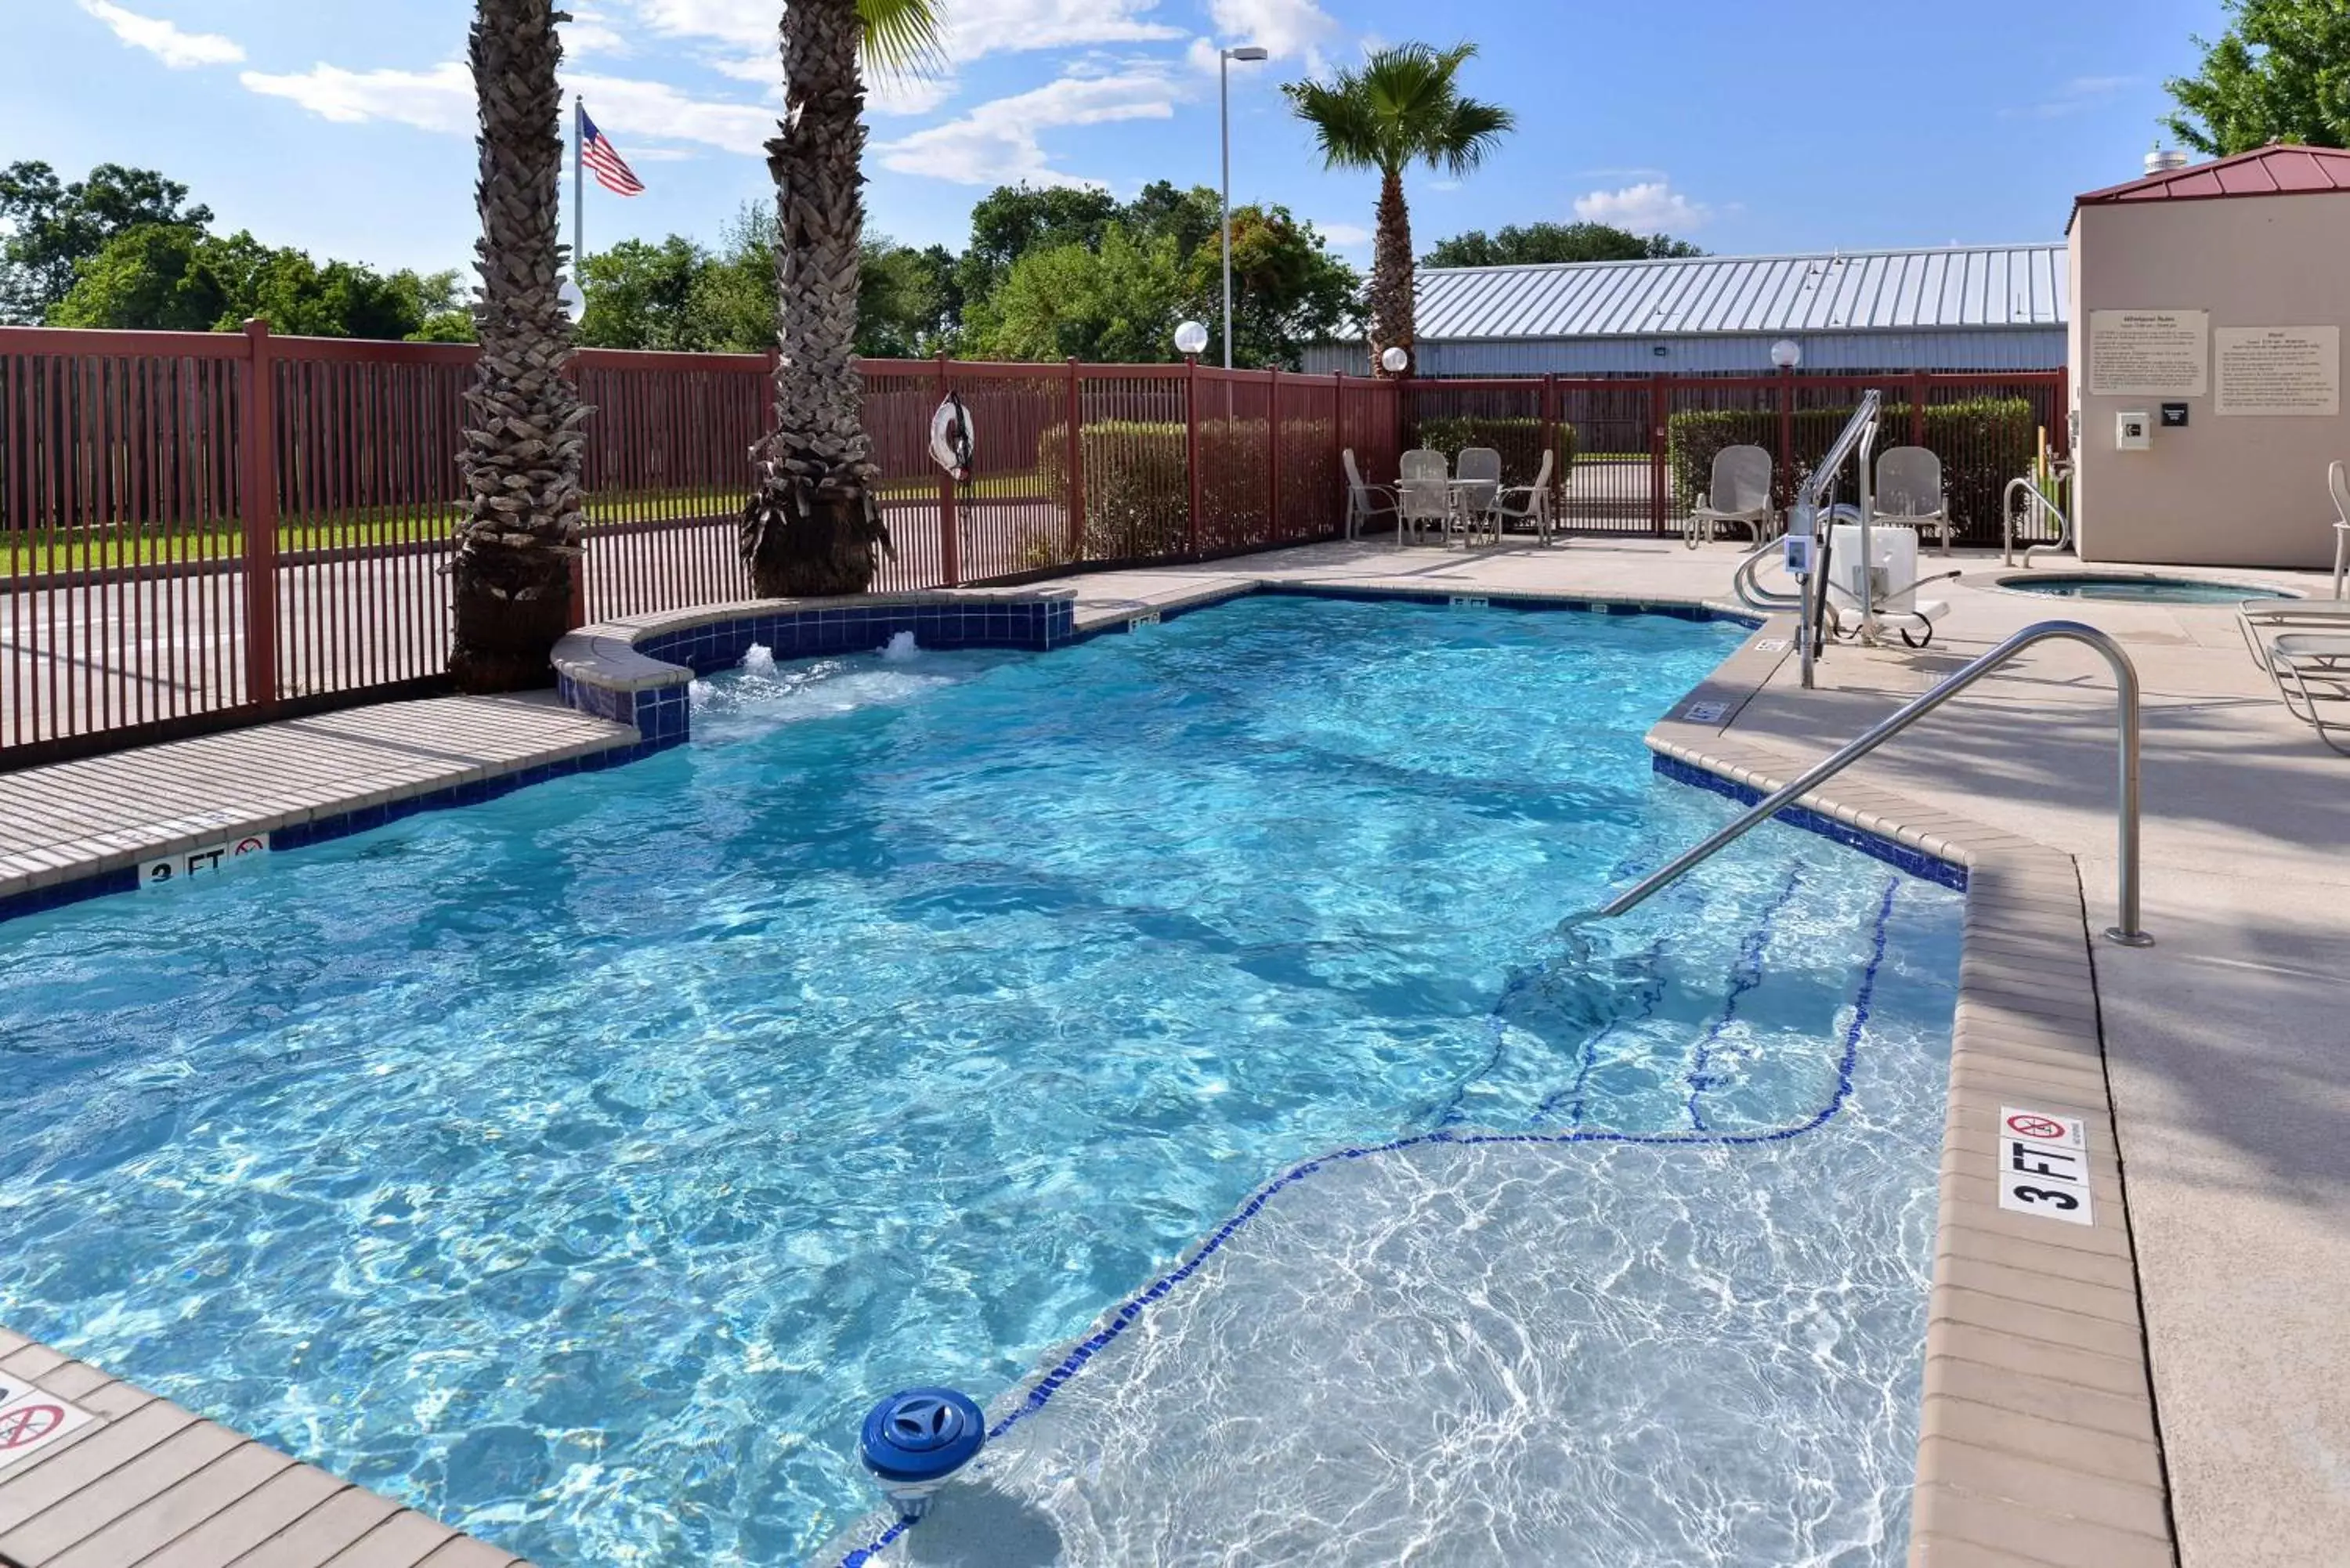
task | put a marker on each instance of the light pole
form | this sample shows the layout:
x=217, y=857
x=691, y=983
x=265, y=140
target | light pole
x=1224, y=59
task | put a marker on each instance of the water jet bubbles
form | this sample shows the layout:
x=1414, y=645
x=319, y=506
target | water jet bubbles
x=758, y=660
x=901, y=648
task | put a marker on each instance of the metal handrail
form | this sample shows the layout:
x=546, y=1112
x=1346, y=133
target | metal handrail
x=2007, y=523
x=1747, y=581
x=2126, y=692
x=1803, y=516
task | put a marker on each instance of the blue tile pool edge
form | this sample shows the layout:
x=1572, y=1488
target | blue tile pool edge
x=1877, y=846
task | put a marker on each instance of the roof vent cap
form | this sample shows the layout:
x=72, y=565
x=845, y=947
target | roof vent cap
x=2163, y=159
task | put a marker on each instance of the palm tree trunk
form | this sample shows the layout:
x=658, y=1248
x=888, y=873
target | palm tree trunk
x=812, y=525
x=520, y=458
x=1390, y=290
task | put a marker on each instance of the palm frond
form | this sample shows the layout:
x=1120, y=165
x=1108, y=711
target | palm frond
x=1473, y=130
x=1400, y=105
x=900, y=37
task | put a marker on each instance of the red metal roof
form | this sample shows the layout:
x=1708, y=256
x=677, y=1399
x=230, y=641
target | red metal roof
x=2276, y=170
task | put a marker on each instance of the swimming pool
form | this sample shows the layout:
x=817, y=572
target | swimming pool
x=578, y=1166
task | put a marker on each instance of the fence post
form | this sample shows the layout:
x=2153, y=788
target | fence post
x=1338, y=436
x=1783, y=469
x=1550, y=429
x=1659, y=410
x=1192, y=449
x=1076, y=465
x=575, y=614
x=1273, y=452
x=1917, y=407
x=950, y=531
x=260, y=513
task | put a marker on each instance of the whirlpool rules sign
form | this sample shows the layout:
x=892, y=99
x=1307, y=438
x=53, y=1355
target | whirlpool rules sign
x=211, y=857
x=2043, y=1164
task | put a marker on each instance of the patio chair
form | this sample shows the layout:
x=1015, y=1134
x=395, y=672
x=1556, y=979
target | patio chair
x=1528, y=504
x=2253, y=615
x=1423, y=497
x=1365, y=501
x=1477, y=494
x=1739, y=494
x=1909, y=492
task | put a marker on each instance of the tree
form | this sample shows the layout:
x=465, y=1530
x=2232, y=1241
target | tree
x=520, y=458
x=1401, y=106
x=2281, y=74
x=641, y=294
x=1288, y=290
x=1013, y=220
x=907, y=301
x=171, y=277
x=53, y=228
x=813, y=525
x=157, y=277
x=1539, y=244
x=1114, y=302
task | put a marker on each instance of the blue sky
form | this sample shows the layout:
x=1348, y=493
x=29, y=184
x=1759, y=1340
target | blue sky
x=344, y=126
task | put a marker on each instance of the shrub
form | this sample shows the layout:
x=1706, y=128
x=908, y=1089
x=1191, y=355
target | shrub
x=1138, y=486
x=1983, y=442
x=1517, y=437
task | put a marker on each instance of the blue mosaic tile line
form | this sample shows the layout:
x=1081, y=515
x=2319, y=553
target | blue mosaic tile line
x=57, y=895
x=1041, y=1393
x=1892, y=851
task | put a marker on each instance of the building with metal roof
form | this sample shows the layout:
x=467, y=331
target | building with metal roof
x=1960, y=308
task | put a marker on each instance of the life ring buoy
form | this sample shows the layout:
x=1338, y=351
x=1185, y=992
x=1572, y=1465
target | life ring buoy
x=950, y=438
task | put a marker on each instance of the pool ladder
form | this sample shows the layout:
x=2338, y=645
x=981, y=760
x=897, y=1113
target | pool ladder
x=2063, y=540
x=2127, y=929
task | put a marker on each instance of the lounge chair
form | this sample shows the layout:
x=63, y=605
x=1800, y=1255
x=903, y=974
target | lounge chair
x=1423, y=496
x=1739, y=494
x=1365, y=502
x=1528, y=504
x=1477, y=494
x=2254, y=616
x=1909, y=492
x=2310, y=668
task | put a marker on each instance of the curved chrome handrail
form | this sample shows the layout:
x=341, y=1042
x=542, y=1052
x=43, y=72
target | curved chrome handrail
x=2007, y=523
x=1803, y=516
x=2125, y=693
x=1747, y=581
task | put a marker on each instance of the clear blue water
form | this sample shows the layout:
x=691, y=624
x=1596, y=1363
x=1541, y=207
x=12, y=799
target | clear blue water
x=578, y=1166
x=2138, y=590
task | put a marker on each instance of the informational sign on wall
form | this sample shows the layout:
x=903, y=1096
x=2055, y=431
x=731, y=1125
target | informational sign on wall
x=2279, y=370
x=2149, y=353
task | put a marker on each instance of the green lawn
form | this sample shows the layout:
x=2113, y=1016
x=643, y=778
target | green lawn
x=132, y=545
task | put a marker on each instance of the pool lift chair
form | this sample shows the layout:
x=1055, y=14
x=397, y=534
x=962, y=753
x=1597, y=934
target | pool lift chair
x=1738, y=495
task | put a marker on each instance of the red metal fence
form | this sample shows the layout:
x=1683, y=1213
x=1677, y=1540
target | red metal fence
x=201, y=529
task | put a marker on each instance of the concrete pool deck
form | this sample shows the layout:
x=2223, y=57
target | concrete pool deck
x=2226, y=1099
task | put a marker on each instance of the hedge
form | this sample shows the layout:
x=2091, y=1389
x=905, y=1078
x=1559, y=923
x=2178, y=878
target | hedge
x=1983, y=442
x=1517, y=437
x=1137, y=488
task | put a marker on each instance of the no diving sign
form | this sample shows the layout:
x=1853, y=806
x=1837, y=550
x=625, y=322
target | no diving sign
x=33, y=1421
x=175, y=868
x=2043, y=1164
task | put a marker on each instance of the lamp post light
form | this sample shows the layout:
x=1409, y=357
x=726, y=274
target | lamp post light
x=1395, y=359
x=1224, y=59
x=1189, y=338
x=1786, y=354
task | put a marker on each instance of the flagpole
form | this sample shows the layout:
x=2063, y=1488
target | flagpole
x=578, y=201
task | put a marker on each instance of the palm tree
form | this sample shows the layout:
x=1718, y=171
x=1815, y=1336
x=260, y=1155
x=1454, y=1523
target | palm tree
x=1400, y=106
x=520, y=458
x=812, y=523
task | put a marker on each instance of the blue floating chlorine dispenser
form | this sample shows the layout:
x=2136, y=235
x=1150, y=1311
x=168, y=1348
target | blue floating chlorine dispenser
x=914, y=1442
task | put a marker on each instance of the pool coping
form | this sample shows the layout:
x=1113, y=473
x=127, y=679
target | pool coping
x=2038, y=1438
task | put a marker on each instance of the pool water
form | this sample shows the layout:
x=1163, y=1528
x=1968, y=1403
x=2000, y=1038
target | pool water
x=578, y=1166
x=2133, y=590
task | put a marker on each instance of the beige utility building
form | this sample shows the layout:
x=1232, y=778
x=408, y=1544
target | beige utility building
x=2209, y=307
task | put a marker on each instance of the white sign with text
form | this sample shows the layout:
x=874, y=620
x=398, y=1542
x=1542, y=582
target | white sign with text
x=2043, y=1164
x=2149, y=353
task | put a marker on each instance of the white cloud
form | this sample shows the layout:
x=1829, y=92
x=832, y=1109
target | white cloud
x=590, y=33
x=996, y=143
x=164, y=40
x=1652, y=207
x=1344, y=235
x=440, y=99
x=909, y=95
x=1290, y=28
x=2078, y=93
x=971, y=28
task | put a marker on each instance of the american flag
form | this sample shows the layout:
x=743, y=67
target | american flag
x=612, y=171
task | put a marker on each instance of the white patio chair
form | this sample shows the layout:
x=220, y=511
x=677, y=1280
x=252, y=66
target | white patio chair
x=1477, y=494
x=1909, y=492
x=1528, y=504
x=1365, y=502
x=1738, y=494
x=2308, y=615
x=1423, y=498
